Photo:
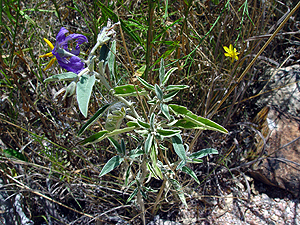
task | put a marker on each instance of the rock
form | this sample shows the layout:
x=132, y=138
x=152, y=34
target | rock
x=279, y=123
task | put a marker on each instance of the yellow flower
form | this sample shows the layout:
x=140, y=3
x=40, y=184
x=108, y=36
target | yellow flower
x=49, y=54
x=231, y=52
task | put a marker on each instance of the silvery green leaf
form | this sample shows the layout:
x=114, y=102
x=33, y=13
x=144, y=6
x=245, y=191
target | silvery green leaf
x=191, y=173
x=168, y=133
x=123, y=147
x=116, y=145
x=94, y=118
x=133, y=194
x=201, y=122
x=176, y=87
x=175, y=184
x=158, y=92
x=168, y=74
x=128, y=90
x=143, y=124
x=161, y=71
x=145, y=83
x=178, y=146
x=111, y=165
x=165, y=110
x=84, y=90
x=111, y=60
x=148, y=143
x=94, y=138
x=152, y=121
x=168, y=97
x=202, y=153
x=63, y=76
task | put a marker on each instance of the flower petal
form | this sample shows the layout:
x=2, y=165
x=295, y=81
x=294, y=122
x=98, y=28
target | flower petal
x=49, y=43
x=49, y=54
x=60, y=37
x=50, y=63
x=226, y=48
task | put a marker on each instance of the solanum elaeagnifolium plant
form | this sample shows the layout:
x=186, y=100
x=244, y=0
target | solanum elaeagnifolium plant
x=155, y=128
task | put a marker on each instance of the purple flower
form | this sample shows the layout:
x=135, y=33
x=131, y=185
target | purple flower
x=66, y=57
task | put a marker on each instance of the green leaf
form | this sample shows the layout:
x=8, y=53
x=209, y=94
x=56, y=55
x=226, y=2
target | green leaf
x=63, y=76
x=168, y=74
x=168, y=133
x=181, y=164
x=104, y=134
x=111, y=165
x=133, y=194
x=128, y=90
x=178, y=146
x=120, y=131
x=191, y=173
x=103, y=52
x=14, y=153
x=202, y=123
x=165, y=110
x=161, y=71
x=158, y=92
x=148, y=143
x=152, y=120
x=202, y=153
x=195, y=161
x=116, y=145
x=140, y=71
x=84, y=90
x=169, y=97
x=176, y=87
x=111, y=60
x=147, y=85
x=132, y=124
x=123, y=147
x=143, y=124
x=114, y=119
x=94, y=138
x=175, y=184
x=152, y=171
x=94, y=118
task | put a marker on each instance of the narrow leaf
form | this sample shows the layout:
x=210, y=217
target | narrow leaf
x=158, y=92
x=202, y=153
x=165, y=110
x=168, y=74
x=147, y=85
x=63, y=76
x=128, y=90
x=175, y=184
x=161, y=71
x=115, y=144
x=134, y=193
x=200, y=121
x=143, y=124
x=168, y=133
x=190, y=172
x=148, y=143
x=178, y=146
x=123, y=147
x=14, y=153
x=111, y=165
x=94, y=118
x=84, y=90
x=94, y=138
x=176, y=87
